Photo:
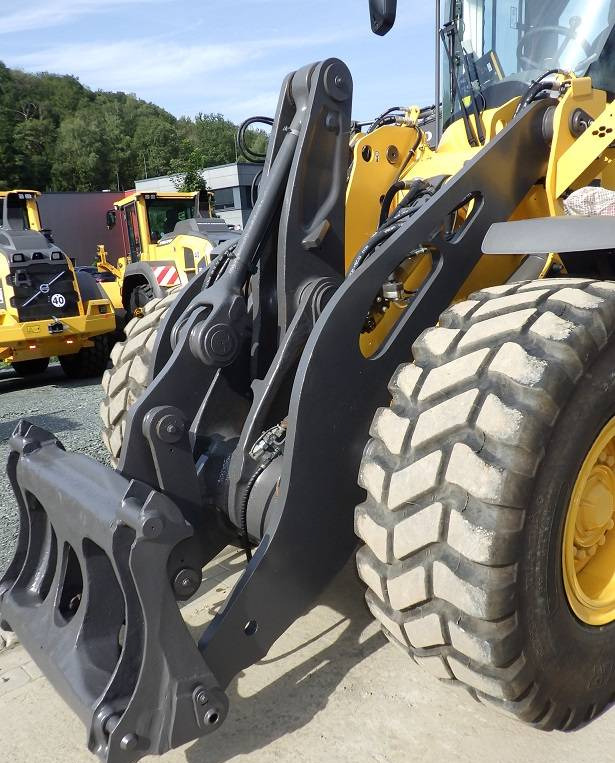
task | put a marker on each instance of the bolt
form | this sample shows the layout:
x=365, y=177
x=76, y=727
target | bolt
x=186, y=583
x=339, y=80
x=170, y=428
x=129, y=742
x=202, y=698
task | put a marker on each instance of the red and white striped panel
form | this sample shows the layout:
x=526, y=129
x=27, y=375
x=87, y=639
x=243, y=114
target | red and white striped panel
x=166, y=275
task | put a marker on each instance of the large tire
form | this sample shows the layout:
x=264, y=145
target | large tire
x=469, y=476
x=128, y=376
x=89, y=362
x=25, y=368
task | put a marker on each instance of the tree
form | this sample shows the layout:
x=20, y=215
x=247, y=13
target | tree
x=56, y=134
x=80, y=161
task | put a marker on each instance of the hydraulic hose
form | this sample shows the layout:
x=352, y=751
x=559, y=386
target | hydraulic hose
x=379, y=121
x=398, y=185
x=378, y=237
x=242, y=146
x=536, y=87
x=243, y=509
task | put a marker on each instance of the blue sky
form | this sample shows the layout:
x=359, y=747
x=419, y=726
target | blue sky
x=227, y=56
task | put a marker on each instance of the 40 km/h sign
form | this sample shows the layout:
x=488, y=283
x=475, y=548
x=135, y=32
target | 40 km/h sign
x=58, y=300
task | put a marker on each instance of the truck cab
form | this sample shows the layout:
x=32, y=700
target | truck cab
x=165, y=242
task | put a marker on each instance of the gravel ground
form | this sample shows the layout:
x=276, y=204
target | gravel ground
x=331, y=688
x=69, y=409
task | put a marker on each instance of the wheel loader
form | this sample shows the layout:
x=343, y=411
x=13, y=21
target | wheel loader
x=47, y=308
x=165, y=243
x=409, y=350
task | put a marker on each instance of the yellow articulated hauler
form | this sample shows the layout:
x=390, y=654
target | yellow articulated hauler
x=47, y=309
x=165, y=242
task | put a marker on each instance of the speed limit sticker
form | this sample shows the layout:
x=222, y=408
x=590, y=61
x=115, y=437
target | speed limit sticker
x=58, y=300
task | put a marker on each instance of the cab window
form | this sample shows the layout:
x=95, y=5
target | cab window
x=164, y=214
x=17, y=213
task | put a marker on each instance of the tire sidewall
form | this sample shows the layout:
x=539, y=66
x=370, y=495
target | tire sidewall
x=575, y=662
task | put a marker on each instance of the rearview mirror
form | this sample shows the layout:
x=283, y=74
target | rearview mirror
x=382, y=14
x=111, y=219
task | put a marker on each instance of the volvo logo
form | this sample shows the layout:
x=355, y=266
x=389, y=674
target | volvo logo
x=44, y=288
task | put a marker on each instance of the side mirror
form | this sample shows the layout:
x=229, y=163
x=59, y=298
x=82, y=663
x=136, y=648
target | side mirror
x=382, y=14
x=111, y=219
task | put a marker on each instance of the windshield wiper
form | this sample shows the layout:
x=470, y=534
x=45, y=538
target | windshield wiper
x=448, y=34
x=475, y=88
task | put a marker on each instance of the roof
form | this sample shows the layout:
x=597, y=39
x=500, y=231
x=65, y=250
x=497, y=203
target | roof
x=4, y=194
x=155, y=194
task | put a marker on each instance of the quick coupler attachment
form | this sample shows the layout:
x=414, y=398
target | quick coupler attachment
x=88, y=596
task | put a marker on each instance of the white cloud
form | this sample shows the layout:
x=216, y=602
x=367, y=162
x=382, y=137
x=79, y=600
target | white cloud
x=43, y=14
x=239, y=72
x=149, y=66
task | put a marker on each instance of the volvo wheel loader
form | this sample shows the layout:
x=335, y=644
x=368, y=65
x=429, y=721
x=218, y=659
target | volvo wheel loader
x=451, y=279
x=166, y=241
x=47, y=308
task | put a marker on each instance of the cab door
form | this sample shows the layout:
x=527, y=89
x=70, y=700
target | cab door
x=132, y=226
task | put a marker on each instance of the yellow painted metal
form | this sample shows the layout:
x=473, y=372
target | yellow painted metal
x=588, y=548
x=570, y=157
x=31, y=340
x=573, y=162
x=153, y=252
x=34, y=219
x=372, y=174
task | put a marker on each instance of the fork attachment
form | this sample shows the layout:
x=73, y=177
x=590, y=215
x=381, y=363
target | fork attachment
x=90, y=581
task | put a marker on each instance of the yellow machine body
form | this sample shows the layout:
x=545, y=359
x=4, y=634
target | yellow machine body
x=379, y=160
x=52, y=335
x=147, y=241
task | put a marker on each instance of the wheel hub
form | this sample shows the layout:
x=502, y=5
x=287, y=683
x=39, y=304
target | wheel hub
x=589, y=545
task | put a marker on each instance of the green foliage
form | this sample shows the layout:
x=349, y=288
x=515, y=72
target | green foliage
x=57, y=135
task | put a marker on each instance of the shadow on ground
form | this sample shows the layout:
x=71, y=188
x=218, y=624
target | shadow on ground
x=49, y=421
x=289, y=701
x=53, y=376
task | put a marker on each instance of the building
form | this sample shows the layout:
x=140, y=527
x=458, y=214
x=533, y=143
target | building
x=78, y=223
x=231, y=184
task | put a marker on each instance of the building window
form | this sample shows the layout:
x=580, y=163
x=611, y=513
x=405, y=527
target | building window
x=224, y=199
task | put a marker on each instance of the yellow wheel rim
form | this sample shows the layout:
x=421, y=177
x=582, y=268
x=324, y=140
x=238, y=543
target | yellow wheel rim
x=588, y=552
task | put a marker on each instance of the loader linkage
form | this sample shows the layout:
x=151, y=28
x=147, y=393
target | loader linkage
x=91, y=590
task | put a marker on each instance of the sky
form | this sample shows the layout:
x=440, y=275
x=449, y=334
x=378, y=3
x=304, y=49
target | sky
x=222, y=56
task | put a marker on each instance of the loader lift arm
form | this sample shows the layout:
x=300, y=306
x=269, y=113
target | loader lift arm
x=192, y=468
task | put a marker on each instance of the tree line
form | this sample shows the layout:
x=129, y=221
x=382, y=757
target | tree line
x=57, y=135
